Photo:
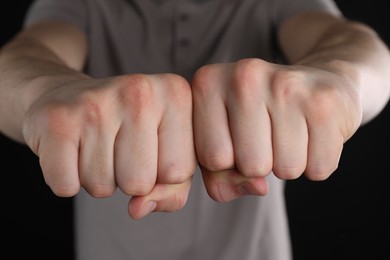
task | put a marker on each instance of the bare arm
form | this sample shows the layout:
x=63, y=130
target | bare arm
x=253, y=118
x=345, y=47
x=99, y=134
x=37, y=59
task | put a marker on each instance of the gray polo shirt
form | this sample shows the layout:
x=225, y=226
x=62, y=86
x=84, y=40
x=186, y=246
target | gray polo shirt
x=179, y=36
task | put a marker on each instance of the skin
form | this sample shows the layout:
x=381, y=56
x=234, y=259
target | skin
x=240, y=121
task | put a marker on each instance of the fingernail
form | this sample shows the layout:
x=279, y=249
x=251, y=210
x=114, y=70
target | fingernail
x=246, y=189
x=148, y=208
x=243, y=189
x=259, y=189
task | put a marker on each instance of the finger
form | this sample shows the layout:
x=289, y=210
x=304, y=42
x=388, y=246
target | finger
x=97, y=162
x=249, y=120
x=324, y=150
x=250, y=127
x=135, y=152
x=227, y=185
x=164, y=198
x=290, y=140
x=136, y=157
x=176, y=152
x=213, y=144
x=59, y=164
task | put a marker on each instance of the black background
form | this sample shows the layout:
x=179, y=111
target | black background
x=344, y=217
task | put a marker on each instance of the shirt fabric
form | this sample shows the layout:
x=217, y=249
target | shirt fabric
x=179, y=36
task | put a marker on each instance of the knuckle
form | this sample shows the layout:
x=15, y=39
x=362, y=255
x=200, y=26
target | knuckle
x=100, y=190
x=248, y=67
x=288, y=173
x=135, y=93
x=319, y=172
x=247, y=70
x=215, y=163
x=137, y=99
x=175, y=174
x=60, y=123
x=248, y=170
x=286, y=85
x=202, y=79
x=179, y=91
x=93, y=112
x=136, y=187
x=323, y=106
x=65, y=191
x=245, y=76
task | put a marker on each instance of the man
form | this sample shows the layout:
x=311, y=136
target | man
x=134, y=94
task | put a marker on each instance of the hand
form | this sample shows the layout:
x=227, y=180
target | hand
x=133, y=132
x=252, y=118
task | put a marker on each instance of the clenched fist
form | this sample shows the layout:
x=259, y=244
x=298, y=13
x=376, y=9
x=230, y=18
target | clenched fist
x=252, y=118
x=133, y=132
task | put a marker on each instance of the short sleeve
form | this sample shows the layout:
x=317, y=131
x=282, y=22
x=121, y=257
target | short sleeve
x=284, y=9
x=73, y=11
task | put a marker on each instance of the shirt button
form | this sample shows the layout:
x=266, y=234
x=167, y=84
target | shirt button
x=184, y=42
x=184, y=17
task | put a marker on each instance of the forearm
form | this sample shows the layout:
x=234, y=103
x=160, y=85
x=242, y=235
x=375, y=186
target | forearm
x=355, y=51
x=27, y=71
x=364, y=58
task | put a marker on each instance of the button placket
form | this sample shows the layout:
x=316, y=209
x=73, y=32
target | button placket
x=183, y=38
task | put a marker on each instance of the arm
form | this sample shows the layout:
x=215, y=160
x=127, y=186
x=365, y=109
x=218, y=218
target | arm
x=37, y=59
x=349, y=48
x=253, y=118
x=98, y=134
